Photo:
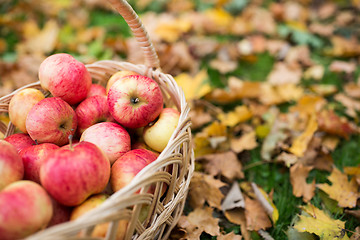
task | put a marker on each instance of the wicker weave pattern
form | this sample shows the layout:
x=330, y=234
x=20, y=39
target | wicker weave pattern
x=172, y=170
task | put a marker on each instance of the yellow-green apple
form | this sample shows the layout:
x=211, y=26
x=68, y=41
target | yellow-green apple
x=20, y=105
x=95, y=90
x=135, y=100
x=11, y=165
x=91, y=111
x=20, y=141
x=61, y=213
x=116, y=76
x=128, y=165
x=158, y=134
x=74, y=172
x=110, y=137
x=33, y=157
x=25, y=209
x=65, y=77
x=100, y=230
x=51, y=120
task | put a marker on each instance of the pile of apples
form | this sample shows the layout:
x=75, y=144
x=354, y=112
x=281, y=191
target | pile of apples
x=75, y=147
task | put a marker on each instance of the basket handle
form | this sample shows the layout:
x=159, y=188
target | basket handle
x=138, y=30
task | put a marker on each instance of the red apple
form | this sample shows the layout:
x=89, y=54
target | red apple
x=33, y=157
x=51, y=120
x=20, y=141
x=116, y=76
x=96, y=90
x=92, y=110
x=100, y=230
x=128, y=165
x=72, y=173
x=25, y=209
x=20, y=105
x=157, y=135
x=110, y=137
x=135, y=100
x=61, y=213
x=65, y=77
x=11, y=165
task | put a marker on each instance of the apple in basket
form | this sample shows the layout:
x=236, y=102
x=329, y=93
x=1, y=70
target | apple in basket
x=20, y=141
x=116, y=76
x=154, y=134
x=33, y=157
x=110, y=137
x=128, y=165
x=65, y=77
x=27, y=210
x=135, y=100
x=20, y=105
x=11, y=165
x=91, y=111
x=51, y=120
x=100, y=230
x=72, y=173
x=96, y=90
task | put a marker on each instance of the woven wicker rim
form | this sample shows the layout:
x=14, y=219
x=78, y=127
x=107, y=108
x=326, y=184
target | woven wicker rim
x=178, y=154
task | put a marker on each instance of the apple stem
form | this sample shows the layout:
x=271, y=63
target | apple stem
x=70, y=141
x=36, y=142
x=135, y=100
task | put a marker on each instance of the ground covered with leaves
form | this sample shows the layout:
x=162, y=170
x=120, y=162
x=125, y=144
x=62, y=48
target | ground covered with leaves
x=274, y=88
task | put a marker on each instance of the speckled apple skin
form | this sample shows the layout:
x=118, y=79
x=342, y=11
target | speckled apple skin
x=45, y=119
x=96, y=90
x=140, y=114
x=28, y=210
x=11, y=165
x=110, y=137
x=65, y=77
x=20, y=141
x=72, y=174
x=128, y=165
x=92, y=110
x=33, y=157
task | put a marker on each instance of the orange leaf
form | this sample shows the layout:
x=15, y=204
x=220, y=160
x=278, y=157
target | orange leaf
x=298, y=175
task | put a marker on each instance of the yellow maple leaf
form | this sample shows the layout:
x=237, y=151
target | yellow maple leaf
x=194, y=87
x=301, y=143
x=219, y=19
x=231, y=119
x=314, y=220
x=341, y=190
x=172, y=31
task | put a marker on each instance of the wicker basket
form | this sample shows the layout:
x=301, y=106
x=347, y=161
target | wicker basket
x=172, y=170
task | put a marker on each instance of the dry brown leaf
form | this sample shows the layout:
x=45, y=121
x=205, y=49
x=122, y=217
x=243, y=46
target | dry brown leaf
x=223, y=66
x=260, y=20
x=298, y=55
x=331, y=123
x=324, y=89
x=256, y=217
x=266, y=202
x=344, y=47
x=288, y=158
x=205, y=188
x=315, y=72
x=342, y=66
x=325, y=30
x=283, y=73
x=233, y=199
x=229, y=236
x=247, y=141
x=352, y=105
x=226, y=164
x=198, y=221
x=298, y=175
x=237, y=216
x=352, y=90
x=326, y=10
x=341, y=190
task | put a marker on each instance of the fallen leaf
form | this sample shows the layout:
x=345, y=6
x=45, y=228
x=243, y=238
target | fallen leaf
x=282, y=74
x=233, y=199
x=344, y=47
x=198, y=221
x=239, y=115
x=313, y=220
x=352, y=105
x=229, y=236
x=237, y=216
x=205, y=188
x=266, y=202
x=194, y=87
x=352, y=90
x=217, y=20
x=342, y=66
x=172, y=29
x=308, y=104
x=298, y=175
x=315, y=72
x=331, y=123
x=324, y=89
x=246, y=141
x=288, y=158
x=325, y=30
x=256, y=217
x=226, y=164
x=300, y=143
x=293, y=234
x=276, y=135
x=342, y=190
